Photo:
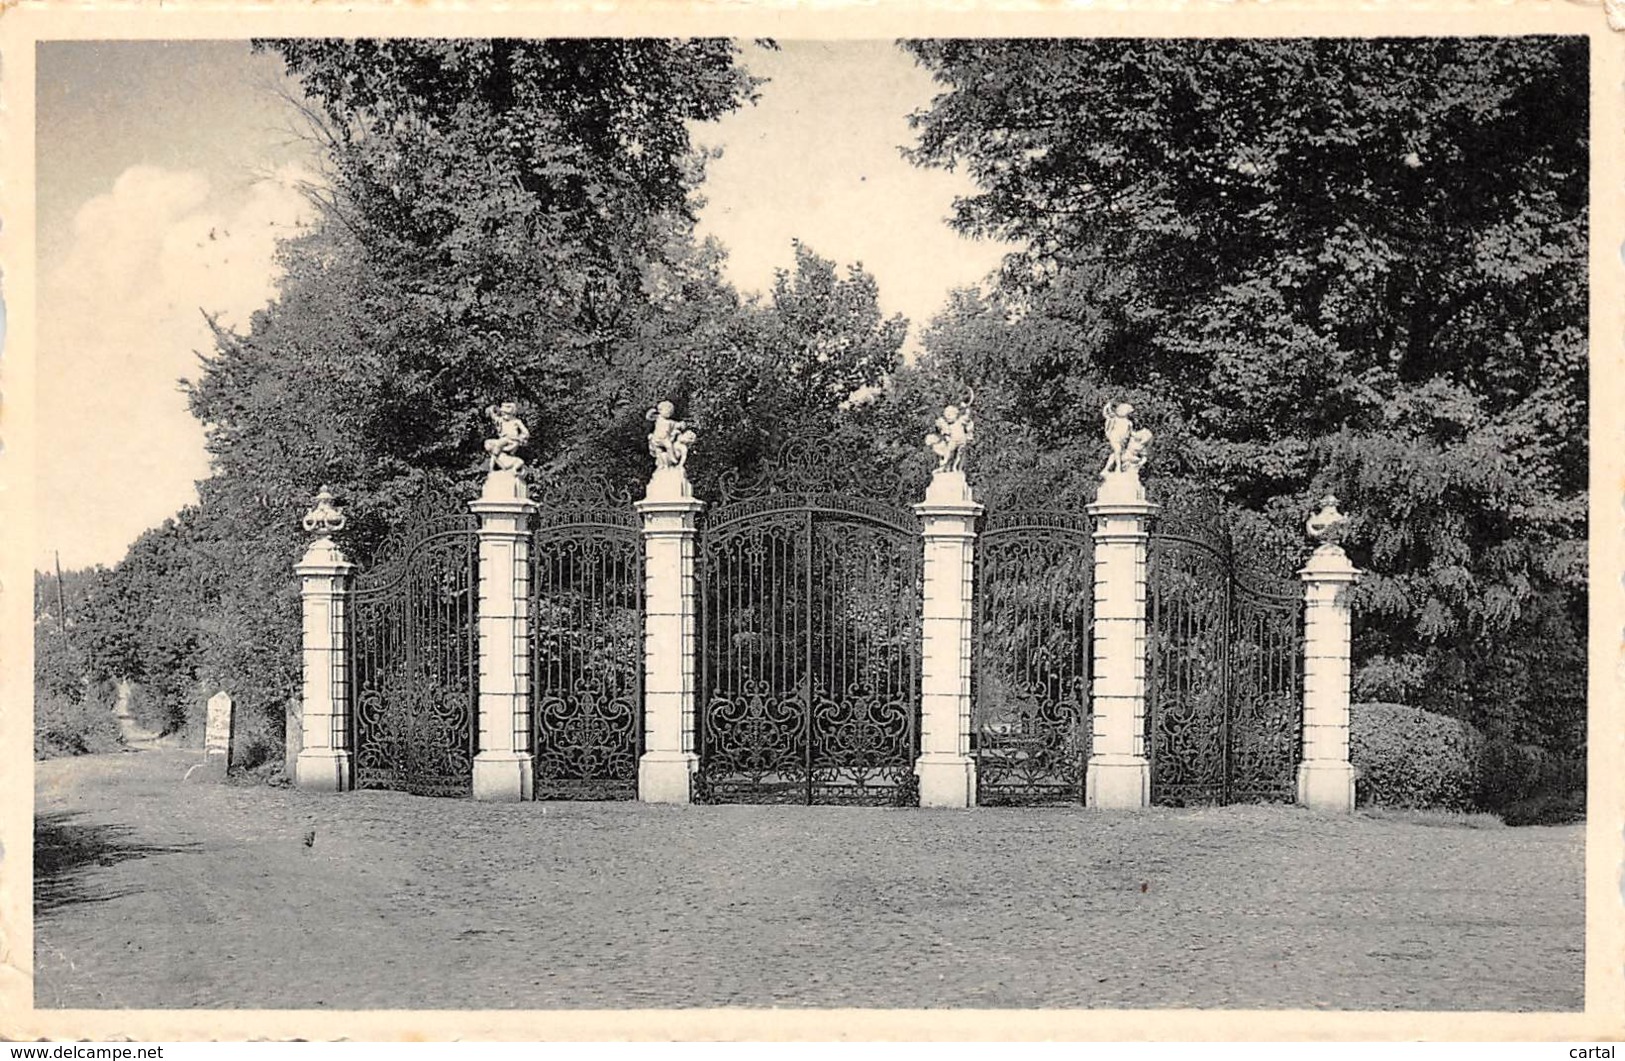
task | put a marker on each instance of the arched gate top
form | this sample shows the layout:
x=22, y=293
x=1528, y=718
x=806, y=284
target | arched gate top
x=851, y=509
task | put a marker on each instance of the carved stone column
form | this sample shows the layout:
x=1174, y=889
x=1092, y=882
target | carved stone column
x=945, y=768
x=503, y=771
x=670, y=627
x=1119, y=774
x=324, y=574
x=1325, y=776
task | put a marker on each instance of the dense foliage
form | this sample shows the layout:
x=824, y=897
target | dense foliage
x=72, y=714
x=1347, y=266
x=499, y=220
x=1313, y=265
x=1408, y=757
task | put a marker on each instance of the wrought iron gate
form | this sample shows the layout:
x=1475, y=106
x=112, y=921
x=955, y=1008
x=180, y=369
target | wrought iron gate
x=809, y=651
x=414, y=678
x=1031, y=727
x=1222, y=682
x=586, y=592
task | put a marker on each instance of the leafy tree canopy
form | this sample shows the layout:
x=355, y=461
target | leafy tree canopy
x=499, y=220
x=1351, y=266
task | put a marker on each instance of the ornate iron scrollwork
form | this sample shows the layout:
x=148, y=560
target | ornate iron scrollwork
x=810, y=668
x=414, y=662
x=582, y=498
x=586, y=592
x=813, y=468
x=1223, y=700
x=1035, y=593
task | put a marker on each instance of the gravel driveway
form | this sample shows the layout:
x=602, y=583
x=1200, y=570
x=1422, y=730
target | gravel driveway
x=152, y=893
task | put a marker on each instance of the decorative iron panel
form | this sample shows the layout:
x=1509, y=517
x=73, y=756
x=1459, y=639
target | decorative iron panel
x=415, y=663
x=587, y=666
x=1187, y=604
x=1031, y=726
x=1222, y=680
x=809, y=652
x=1266, y=699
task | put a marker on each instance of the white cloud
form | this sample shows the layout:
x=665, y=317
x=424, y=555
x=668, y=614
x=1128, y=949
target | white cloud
x=120, y=324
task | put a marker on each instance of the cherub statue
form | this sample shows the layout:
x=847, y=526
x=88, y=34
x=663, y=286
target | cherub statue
x=680, y=444
x=670, y=438
x=1134, y=452
x=323, y=518
x=1326, y=525
x=1119, y=429
x=511, y=434
x=955, y=430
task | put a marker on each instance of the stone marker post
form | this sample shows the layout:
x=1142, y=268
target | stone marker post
x=669, y=510
x=503, y=769
x=1119, y=774
x=946, y=771
x=217, y=734
x=1325, y=776
x=324, y=756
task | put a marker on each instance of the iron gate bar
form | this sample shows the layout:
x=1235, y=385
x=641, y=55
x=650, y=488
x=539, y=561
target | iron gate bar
x=1255, y=729
x=1268, y=622
x=807, y=672
x=777, y=627
x=586, y=728
x=413, y=678
x=1040, y=687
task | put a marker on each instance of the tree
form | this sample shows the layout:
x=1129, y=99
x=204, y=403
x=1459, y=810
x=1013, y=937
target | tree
x=498, y=220
x=803, y=363
x=1354, y=266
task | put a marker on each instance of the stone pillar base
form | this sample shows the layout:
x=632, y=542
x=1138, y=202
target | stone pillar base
x=322, y=771
x=667, y=777
x=946, y=780
x=216, y=763
x=1117, y=782
x=503, y=777
x=1326, y=785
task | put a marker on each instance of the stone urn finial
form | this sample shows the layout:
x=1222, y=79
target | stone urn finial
x=323, y=520
x=1326, y=526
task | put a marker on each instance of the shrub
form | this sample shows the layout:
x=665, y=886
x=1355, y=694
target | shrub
x=66, y=725
x=255, y=740
x=1552, y=808
x=1509, y=772
x=1528, y=785
x=1408, y=757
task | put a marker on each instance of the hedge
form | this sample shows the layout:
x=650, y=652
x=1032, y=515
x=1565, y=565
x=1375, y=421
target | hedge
x=1409, y=757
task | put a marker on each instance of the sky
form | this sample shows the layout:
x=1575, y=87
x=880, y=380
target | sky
x=168, y=171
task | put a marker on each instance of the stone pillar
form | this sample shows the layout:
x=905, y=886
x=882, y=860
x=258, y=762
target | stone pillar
x=217, y=732
x=324, y=755
x=1325, y=777
x=670, y=618
x=945, y=768
x=503, y=770
x=1119, y=774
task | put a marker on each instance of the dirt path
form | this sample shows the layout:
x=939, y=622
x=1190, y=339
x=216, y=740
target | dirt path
x=155, y=893
x=128, y=726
